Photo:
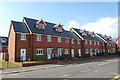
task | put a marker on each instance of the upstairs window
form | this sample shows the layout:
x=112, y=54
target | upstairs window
x=72, y=41
x=23, y=36
x=94, y=42
x=59, y=29
x=59, y=39
x=98, y=42
x=90, y=42
x=41, y=26
x=49, y=38
x=86, y=42
x=38, y=38
x=78, y=41
x=66, y=40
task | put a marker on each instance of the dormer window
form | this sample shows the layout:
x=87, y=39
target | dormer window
x=58, y=28
x=3, y=40
x=41, y=24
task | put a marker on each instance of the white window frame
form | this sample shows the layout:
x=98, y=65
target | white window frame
x=39, y=51
x=66, y=51
x=49, y=38
x=23, y=36
x=59, y=29
x=86, y=51
x=66, y=40
x=72, y=41
x=86, y=42
x=41, y=26
x=59, y=40
x=78, y=41
x=94, y=42
x=90, y=42
x=38, y=38
x=98, y=42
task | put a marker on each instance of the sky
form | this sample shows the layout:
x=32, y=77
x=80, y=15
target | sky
x=100, y=17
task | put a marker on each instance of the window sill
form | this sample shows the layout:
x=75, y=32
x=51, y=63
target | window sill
x=23, y=39
x=39, y=54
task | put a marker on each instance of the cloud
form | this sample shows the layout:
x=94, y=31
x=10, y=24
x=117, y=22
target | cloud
x=74, y=24
x=107, y=26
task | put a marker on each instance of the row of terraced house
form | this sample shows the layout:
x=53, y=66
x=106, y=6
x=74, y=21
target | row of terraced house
x=34, y=39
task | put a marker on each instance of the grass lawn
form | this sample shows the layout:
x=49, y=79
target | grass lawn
x=6, y=64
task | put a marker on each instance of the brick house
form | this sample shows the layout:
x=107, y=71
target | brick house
x=91, y=44
x=3, y=48
x=34, y=39
x=110, y=45
x=117, y=41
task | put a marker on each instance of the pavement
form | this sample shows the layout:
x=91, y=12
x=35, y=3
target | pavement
x=99, y=68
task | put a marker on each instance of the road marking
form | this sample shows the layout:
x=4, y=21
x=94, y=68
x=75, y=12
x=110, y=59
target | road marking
x=88, y=71
x=104, y=63
x=113, y=73
x=65, y=75
x=116, y=77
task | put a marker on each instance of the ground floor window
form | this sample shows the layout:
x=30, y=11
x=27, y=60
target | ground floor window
x=72, y=52
x=66, y=51
x=79, y=51
x=87, y=51
x=39, y=51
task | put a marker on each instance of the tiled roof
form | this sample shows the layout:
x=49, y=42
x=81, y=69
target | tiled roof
x=19, y=27
x=87, y=37
x=109, y=41
x=49, y=29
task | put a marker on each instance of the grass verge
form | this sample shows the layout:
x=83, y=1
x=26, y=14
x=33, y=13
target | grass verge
x=6, y=64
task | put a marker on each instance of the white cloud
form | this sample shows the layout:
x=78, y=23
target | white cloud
x=107, y=26
x=74, y=24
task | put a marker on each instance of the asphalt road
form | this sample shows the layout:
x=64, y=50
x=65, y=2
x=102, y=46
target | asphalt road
x=101, y=68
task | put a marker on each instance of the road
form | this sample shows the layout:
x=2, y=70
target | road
x=101, y=68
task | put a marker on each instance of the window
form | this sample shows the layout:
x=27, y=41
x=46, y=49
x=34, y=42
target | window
x=23, y=36
x=94, y=42
x=103, y=44
x=38, y=38
x=66, y=40
x=49, y=38
x=98, y=42
x=72, y=41
x=90, y=42
x=78, y=41
x=66, y=51
x=41, y=26
x=87, y=51
x=79, y=51
x=59, y=29
x=39, y=51
x=59, y=39
x=72, y=52
x=86, y=42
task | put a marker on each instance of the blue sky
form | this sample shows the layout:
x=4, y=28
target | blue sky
x=80, y=13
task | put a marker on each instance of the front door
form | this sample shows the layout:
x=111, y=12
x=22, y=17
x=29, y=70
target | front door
x=91, y=53
x=49, y=53
x=59, y=52
x=23, y=55
x=79, y=51
x=1, y=56
x=72, y=52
